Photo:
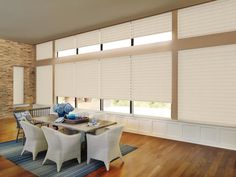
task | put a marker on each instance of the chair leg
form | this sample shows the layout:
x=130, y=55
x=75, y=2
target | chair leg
x=24, y=139
x=23, y=151
x=34, y=155
x=79, y=160
x=107, y=164
x=88, y=160
x=121, y=157
x=17, y=136
x=59, y=164
x=45, y=159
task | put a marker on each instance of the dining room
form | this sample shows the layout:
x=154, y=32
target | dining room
x=118, y=88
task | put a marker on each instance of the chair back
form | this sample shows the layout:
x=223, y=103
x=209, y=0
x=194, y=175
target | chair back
x=52, y=138
x=22, y=115
x=31, y=131
x=114, y=135
x=52, y=112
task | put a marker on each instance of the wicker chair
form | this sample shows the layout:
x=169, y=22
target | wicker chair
x=105, y=146
x=61, y=147
x=35, y=139
x=19, y=116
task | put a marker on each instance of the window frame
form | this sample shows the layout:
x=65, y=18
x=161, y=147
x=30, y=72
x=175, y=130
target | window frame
x=99, y=106
x=87, y=47
x=115, y=43
x=154, y=116
x=128, y=106
x=156, y=38
x=75, y=100
x=75, y=50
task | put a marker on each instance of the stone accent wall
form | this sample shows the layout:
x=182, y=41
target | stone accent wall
x=16, y=54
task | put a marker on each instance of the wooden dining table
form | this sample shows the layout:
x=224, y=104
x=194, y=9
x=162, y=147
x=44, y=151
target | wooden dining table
x=81, y=127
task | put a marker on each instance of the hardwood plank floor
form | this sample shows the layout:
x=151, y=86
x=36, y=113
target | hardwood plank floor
x=155, y=157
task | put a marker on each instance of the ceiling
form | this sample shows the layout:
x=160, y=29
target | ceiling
x=37, y=21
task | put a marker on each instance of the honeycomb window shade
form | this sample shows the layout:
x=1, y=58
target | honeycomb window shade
x=152, y=25
x=115, y=78
x=65, y=43
x=88, y=79
x=65, y=82
x=88, y=39
x=116, y=33
x=44, y=82
x=151, y=77
x=44, y=50
x=209, y=18
x=18, y=85
x=207, y=84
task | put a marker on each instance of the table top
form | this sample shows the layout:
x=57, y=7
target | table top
x=83, y=127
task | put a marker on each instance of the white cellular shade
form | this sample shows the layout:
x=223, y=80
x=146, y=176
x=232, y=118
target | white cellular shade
x=152, y=25
x=44, y=50
x=88, y=79
x=214, y=17
x=65, y=43
x=207, y=84
x=115, y=78
x=151, y=77
x=65, y=82
x=116, y=33
x=18, y=85
x=44, y=82
x=88, y=39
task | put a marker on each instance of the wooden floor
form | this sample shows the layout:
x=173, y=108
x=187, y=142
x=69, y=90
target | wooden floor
x=155, y=157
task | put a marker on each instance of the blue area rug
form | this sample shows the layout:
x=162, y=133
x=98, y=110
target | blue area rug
x=12, y=150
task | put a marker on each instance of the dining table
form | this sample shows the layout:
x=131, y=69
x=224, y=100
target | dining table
x=81, y=127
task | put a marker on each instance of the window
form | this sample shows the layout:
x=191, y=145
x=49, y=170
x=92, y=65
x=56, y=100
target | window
x=121, y=106
x=150, y=108
x=88, y=103
x=18, y=85
x=167, y=36
x=65, y=53
x=89, y=49
x=70, y=100
x=117, y=44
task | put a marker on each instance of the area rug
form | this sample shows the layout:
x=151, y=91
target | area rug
x=12, y=150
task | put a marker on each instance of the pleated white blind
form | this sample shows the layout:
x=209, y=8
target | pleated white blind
x=44, y=82
x=88, y=39
x=44, y=50
x=88, y=79
x=18, y=85
x=115, y=78
x=65, y=83
x=116, y=33
x=214, y=17
x=151, y=77
x=207, y=84
x=152, y=25
x=65, y=43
